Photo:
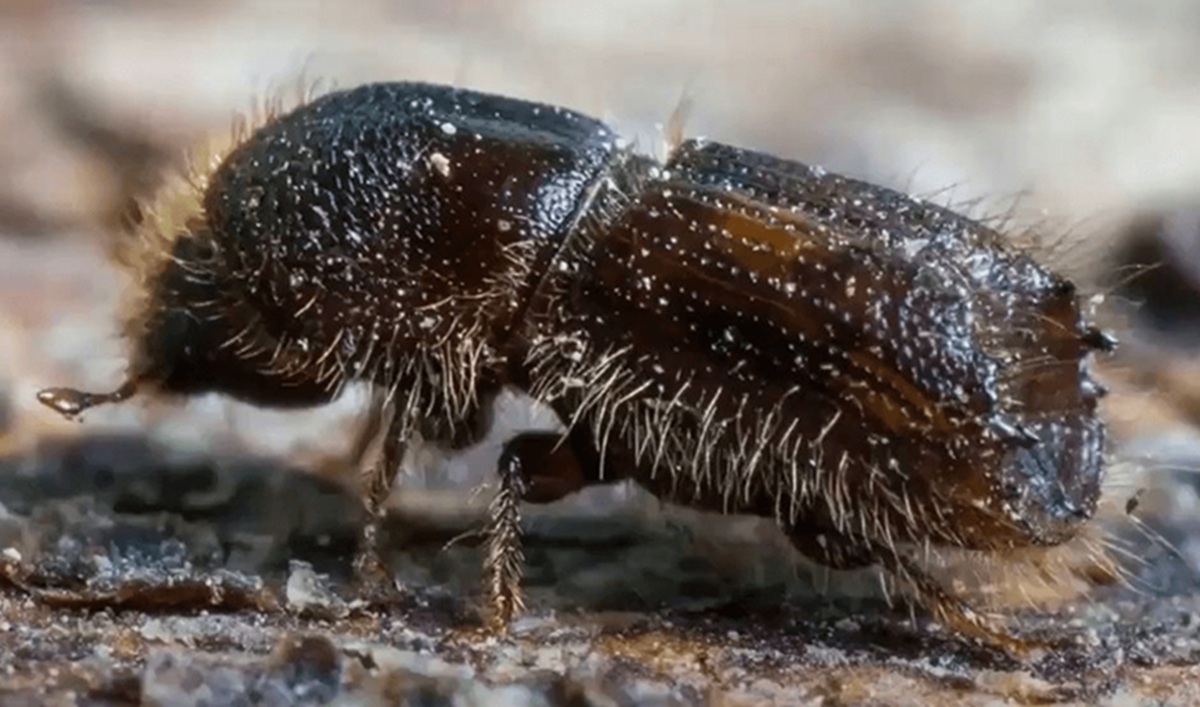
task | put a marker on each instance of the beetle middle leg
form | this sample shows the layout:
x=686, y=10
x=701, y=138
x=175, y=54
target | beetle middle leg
x=535, y=467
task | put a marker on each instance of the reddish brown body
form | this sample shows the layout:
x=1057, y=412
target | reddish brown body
x=730, y=330
x=827, y=351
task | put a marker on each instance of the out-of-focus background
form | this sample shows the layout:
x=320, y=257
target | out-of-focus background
x=1078, y=121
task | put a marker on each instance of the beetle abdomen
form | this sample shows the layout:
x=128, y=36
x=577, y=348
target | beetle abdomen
x=773, y=339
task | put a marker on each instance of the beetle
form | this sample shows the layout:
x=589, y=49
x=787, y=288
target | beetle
x=731, y=330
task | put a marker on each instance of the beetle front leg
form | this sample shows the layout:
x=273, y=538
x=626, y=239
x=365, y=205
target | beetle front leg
x=370, y=571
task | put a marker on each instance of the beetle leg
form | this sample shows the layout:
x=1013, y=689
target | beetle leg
x=839, y=552
x=370, y=571
x=951, y=611
x=503, y=556
x=534, y=467
x=552, y=468
x=369, y=433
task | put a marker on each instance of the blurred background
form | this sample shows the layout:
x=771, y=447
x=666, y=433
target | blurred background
x=1078, y=120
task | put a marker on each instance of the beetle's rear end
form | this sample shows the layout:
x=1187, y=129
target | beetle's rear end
x=865, y=367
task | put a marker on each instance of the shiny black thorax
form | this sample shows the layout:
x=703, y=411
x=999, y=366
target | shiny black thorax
x=382, y=221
